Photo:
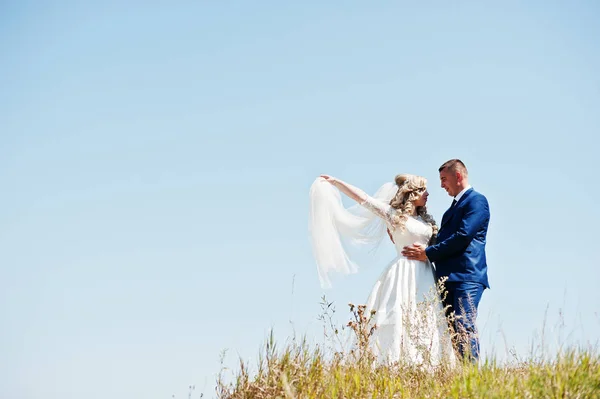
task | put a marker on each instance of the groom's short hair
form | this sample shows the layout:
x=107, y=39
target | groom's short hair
x=454, y=165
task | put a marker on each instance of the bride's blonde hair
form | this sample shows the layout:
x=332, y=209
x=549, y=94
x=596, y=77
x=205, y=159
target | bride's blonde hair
x=409, y=188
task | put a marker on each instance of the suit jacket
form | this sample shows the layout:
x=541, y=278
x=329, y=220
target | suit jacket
x=459, y=252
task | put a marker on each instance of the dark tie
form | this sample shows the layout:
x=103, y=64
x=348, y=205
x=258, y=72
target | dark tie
x=453, y=203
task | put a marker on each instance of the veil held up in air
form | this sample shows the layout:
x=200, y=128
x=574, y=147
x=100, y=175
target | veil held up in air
x=338, y=234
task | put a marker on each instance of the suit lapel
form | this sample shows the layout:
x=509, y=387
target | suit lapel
x=447, y=215
x=450, y=212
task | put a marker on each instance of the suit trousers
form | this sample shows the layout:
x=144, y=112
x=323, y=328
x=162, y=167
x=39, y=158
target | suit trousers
x=463, y=298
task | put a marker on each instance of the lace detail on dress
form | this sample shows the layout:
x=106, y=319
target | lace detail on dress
x=380, y=208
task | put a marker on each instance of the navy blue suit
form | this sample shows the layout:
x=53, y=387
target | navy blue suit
x=459, y=255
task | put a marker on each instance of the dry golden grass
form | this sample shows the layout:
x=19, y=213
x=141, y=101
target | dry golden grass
x=301, y=370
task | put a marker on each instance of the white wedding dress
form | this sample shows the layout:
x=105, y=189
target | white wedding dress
x=410, y=324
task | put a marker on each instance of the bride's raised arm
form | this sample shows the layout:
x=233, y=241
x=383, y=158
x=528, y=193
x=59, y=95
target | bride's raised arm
x=376, y=206
x=355, y=193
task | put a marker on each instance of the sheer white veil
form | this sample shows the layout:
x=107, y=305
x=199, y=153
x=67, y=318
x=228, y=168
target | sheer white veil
x=337, y=232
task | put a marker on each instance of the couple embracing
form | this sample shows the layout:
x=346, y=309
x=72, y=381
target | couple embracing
x=416, y=321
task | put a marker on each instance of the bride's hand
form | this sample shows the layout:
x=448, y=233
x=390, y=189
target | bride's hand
x=328, y=178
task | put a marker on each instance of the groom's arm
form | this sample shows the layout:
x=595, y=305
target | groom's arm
x=474, y=218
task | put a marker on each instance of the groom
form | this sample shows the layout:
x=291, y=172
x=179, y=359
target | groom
x=459, y=254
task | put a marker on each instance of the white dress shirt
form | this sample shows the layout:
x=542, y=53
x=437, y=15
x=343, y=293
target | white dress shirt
x=459, y=195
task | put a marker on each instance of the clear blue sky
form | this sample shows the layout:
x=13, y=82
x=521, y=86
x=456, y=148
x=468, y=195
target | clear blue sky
x=155, y=163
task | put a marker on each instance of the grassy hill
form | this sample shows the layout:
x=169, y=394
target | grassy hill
x=301, y=370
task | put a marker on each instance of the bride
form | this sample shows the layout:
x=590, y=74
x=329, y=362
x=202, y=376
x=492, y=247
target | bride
x=410, y=325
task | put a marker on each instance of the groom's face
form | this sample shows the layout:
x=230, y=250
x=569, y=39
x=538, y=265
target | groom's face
x=449, y=182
